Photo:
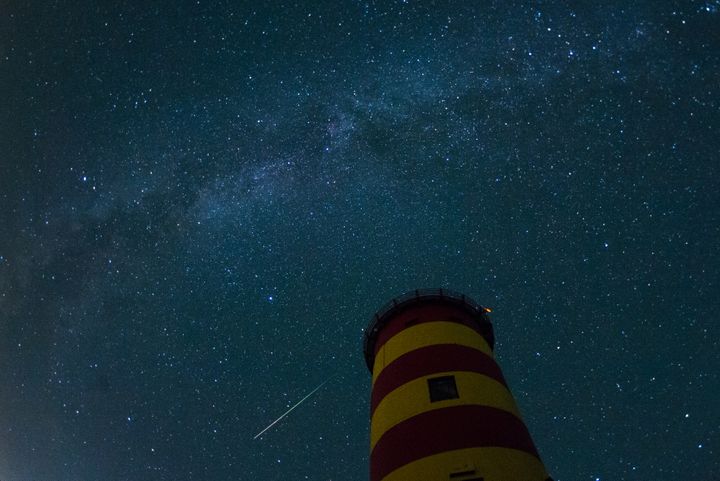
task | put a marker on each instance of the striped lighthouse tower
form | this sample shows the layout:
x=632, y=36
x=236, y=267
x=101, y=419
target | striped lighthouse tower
x=440, y=406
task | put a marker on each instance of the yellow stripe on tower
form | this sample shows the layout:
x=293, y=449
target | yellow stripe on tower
x=413, y=398
x=427, y=334
x=496, y=464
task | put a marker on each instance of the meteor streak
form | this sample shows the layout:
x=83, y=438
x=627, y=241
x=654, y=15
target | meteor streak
x=296, y=405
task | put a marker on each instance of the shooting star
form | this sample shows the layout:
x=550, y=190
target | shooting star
x=296, y=405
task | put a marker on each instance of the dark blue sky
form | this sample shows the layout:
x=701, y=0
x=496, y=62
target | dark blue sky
x=202, y=204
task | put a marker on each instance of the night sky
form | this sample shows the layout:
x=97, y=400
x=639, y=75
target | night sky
x=202, y=205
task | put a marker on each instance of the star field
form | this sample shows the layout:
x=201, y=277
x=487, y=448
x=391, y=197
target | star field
x=203, y=203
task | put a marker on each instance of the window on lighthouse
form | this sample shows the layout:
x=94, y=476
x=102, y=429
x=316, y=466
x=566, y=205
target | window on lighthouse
x=442, y=388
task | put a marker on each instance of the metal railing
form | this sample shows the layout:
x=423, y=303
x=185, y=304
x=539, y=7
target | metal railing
x=428, y=293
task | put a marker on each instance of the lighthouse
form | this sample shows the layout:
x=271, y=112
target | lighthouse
x=440, y=408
